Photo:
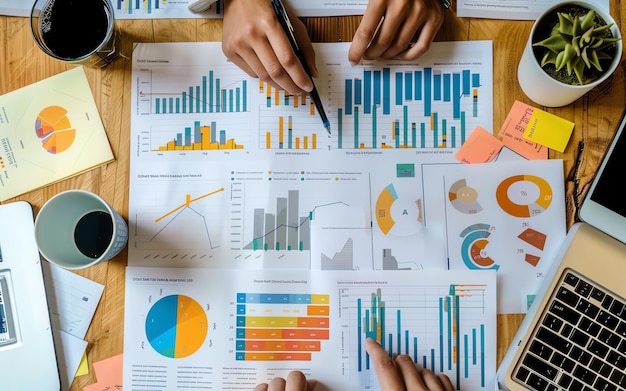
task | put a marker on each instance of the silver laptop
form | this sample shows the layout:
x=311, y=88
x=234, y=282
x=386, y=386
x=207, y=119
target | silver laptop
x=574, y=335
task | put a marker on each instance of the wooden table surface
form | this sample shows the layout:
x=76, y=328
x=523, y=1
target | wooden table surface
x=596, y=116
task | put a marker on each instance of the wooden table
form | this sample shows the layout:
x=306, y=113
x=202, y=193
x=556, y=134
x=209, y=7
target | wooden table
x=596, y=116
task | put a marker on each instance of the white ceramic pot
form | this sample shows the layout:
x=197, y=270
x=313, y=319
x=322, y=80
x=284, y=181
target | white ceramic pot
x=543, y=89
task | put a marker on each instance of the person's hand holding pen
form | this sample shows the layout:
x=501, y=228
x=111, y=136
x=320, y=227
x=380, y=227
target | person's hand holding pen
x=399, y=374
x=254, y=40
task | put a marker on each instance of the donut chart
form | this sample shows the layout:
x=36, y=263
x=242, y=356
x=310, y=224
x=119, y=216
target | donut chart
x=54, y=129
x=464, y=198
x=176, y=326
x=402, y=213
x=533, y=208
x=474, y=247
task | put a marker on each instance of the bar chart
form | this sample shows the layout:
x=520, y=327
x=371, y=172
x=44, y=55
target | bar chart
x=214, y=89
x=285, y=229
x=281, y=327
x=435, y=104
x=200, y=137
x=287, y=121
x=162, y=8
x=441, y=327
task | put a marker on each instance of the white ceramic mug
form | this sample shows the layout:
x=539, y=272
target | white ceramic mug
x=76, y=229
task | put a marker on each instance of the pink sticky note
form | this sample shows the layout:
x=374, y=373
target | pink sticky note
x=480, y=147
x=109, y=374
x=512, y=133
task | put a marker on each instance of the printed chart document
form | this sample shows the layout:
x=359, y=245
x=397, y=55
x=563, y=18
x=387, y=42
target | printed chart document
x=49, y=131
x=173, y=9
x=503, y=216
x=508, y=9
x=229, y=330
x=227, y=172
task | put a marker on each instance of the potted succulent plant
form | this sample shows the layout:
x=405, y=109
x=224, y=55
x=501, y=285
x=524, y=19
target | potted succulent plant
x=573, y=46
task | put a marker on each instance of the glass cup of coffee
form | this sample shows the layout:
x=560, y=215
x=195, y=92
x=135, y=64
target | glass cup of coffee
x=76, y=31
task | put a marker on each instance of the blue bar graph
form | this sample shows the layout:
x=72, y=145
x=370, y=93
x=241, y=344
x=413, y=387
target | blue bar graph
x=207, y=96
x=438, y=102
x=456, y=346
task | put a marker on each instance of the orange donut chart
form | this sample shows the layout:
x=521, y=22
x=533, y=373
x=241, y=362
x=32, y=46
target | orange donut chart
x=538, y=206
x=383, y=209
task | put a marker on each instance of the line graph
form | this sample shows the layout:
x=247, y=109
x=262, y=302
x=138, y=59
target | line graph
x=188, y=202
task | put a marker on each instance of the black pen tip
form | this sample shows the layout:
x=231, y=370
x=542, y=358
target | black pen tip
x=327, y=126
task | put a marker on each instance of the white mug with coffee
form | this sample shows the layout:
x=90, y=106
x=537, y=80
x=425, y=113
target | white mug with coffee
x=76, y=229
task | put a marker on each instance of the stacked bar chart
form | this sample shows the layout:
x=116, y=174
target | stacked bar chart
x=287, y=121
x=284, y=136
x=284, y=230
x=281, y=327
x=200, y=137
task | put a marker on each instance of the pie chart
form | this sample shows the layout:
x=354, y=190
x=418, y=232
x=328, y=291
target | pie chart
x=176, y=326
x=54, y=129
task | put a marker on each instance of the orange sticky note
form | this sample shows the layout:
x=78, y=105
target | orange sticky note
x=480, y=147
x=512, y=133
x=549, y=130
x=109, y=374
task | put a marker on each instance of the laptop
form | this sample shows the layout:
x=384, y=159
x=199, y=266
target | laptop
x=574, y=335
x=27, y=354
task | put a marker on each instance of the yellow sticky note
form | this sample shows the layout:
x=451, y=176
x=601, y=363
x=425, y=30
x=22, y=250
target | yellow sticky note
x=549, y=130
x=83, y=367
x=480, y=147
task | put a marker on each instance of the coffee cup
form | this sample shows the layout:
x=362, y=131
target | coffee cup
x=76, y=229
x=76, y=31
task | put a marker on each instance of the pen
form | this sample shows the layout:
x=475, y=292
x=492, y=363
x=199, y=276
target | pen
x=285, y=22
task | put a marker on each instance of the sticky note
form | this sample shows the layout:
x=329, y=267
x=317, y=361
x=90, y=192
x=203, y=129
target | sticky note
x=512, y=133
x=480, y=147
x=549, y=130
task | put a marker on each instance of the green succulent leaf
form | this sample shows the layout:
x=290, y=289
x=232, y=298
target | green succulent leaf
x=566, y=25
x=554, y=43
x=564, y=57
x=589, y=20
x=548, y=58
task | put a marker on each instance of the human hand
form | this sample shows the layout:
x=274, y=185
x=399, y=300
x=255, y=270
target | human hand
x=296, y=381
x=399, y=29
x=255, y=41
x=402, y=373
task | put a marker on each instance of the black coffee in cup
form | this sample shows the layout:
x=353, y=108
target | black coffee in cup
x=73, y=29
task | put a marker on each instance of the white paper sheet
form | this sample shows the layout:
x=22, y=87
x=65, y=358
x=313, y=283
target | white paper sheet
x=508, y=9
x=506, y=216
x=270, y=189
x=226, y=329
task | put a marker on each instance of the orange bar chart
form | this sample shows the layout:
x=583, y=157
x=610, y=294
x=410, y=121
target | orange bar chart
x=281, y=327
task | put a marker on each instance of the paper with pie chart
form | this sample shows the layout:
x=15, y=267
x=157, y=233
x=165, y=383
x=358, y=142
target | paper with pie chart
x=49, y=131
x=503, y=216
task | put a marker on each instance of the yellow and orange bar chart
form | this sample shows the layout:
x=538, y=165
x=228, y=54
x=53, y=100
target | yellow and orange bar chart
x=281, y=327
x=285, y=138
x=201, y=137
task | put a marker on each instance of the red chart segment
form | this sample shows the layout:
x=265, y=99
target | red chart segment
x=474, y=247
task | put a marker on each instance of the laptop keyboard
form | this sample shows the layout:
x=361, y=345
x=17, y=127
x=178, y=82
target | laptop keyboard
x=580, y=344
